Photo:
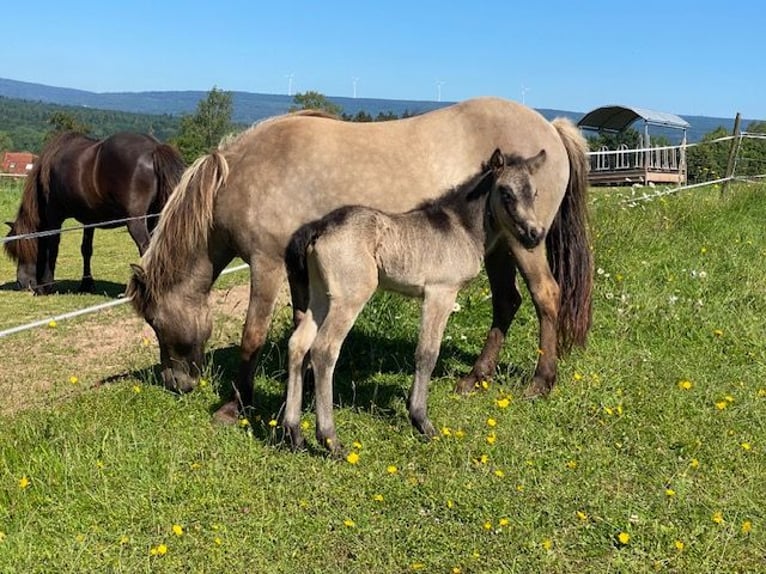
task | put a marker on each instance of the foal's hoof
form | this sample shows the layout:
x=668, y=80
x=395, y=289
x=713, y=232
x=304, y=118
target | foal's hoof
x=228, y=414
x=426, y=428
x=469, y=384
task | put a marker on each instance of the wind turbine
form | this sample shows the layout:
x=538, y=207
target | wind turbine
x=439, y=85
x=353, y=81
x=524, y=91
x=289, y=84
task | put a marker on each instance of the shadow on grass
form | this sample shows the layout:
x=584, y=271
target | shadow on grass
x=68, y=287
x=362, y=358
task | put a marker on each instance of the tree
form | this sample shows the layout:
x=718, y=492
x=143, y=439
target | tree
x=315, y=101
x=707, y=160
x=65, y=122
x=201, y=132
x=6, y=143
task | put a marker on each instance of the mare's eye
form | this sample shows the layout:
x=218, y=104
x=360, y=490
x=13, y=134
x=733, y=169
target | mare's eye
x=506, y=195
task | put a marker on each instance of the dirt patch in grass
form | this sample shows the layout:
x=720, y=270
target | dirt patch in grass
x=50, y=364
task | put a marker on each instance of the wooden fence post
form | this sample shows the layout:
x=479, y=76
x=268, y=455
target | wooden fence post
x=733, y=150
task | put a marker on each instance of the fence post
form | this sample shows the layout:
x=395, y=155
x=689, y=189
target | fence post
x=733, y=150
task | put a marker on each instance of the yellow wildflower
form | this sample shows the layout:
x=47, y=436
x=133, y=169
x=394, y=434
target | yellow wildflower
x=24, y=482
x=717, y=517
x=504, y=522
x=273, y=423
x=178, y=530
x=488, y=525
x=217, y=541
x=52, y=324
x=244, y=422
x=349, y=523
x=720, y=405
x=694, y=463
x=305, y=425
x=577, y=377
x=377, y=497
x=491, y=422
x=499, y=473
x=685, y=385
x=417, y=566
x=747, y=526
x=446, y=431
x=136, y=389
x=623, y=538
x=357, y=445
x=73, y=380
x=746, y=445
x=669, y=492
x=679, y=545
x=582, y=516
x=485, y=385
x=459, y=433
x=352, y=458
x=503, y=403
x=124, y=540
x=391, y=469
x=491, y=438
x=159, y=550
x=718, y=332
x=547, y=543
x=572, y=464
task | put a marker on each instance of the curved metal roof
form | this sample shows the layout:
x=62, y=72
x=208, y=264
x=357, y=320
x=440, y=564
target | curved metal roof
x=617, y=118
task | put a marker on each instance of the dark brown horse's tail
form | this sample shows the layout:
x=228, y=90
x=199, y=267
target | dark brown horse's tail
x=168, y=167
x=568, y=245
x=28, y=216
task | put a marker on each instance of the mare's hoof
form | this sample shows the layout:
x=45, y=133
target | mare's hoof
x=538, y=389
x=466, y=385
x=294, y=439
x=426, y=428
x=228, y=414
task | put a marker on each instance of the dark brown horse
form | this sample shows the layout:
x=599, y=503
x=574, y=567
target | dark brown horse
x=127, y=175
x=250, y=196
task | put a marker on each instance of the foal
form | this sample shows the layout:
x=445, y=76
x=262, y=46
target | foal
x=430, y=252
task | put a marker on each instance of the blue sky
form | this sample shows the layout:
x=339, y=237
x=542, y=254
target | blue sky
x=685, y=57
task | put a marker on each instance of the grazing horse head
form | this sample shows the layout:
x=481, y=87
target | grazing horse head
x=181, y=335
x=512, y=202
x=24, y=252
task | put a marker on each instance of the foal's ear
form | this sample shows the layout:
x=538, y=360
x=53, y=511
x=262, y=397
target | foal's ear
x=138, y=272
x=497, y=161
x=534, y=163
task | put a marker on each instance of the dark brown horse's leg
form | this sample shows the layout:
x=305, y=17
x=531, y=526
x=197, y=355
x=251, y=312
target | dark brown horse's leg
x=140, y=233
x=47, y=253
x=266, y=278
x=545, y=295
x=87, y=285
x=506, y=299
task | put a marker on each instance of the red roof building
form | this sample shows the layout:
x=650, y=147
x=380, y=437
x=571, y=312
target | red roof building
x=17, y=163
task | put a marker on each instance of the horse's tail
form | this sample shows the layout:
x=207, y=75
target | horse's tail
x=168, y=167
x=28, y=216
x=568, y=245
x=295, y=255
x=186, y=220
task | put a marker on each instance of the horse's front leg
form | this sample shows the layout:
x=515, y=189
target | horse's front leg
x=139, y=231
x=47, y=253
x=506, y=300
x=545, y=295
x=437, y=306
x=266, y=278
x=87, y=285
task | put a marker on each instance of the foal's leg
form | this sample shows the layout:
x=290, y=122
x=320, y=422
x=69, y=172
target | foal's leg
x=437, y=306
x=87, y=285
x=266, y=278
x=506, y=299
x=299, y=345
x=545, y=294
x=340, y=319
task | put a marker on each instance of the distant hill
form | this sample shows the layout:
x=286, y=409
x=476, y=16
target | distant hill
x=250, y=107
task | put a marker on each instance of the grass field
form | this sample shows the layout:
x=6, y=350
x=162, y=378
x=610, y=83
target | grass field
x=648, y=456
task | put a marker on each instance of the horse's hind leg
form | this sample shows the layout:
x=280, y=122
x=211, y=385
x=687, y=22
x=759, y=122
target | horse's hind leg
x=437, y=306
x=138, y=230
x=298, y=348
x=506, y=299
x=545, y=294
x=87, y=285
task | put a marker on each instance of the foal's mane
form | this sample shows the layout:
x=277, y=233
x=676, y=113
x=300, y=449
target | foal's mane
x=33, y=199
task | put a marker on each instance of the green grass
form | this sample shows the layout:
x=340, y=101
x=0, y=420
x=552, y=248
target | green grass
x=655, y=431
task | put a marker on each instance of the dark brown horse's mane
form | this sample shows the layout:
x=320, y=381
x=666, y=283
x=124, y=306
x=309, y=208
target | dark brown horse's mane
x=33, y=199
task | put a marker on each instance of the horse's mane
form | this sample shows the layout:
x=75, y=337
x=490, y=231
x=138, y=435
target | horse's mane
x=33, y=198
x=183, y=226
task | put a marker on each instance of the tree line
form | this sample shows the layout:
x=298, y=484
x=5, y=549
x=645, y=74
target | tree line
x=26, y=126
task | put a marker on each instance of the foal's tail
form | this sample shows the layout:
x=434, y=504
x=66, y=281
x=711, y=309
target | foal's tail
x=168, y=167
x=568, y=244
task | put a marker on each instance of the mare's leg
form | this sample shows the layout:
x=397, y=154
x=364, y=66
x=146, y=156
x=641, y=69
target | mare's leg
x=545, y=295
x=506, y=300
x=140, y=233
x=437, y=306
x=87, y=285
x=47, y=253
x=266, y=278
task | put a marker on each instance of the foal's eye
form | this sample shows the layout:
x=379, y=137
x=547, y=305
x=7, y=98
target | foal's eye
x=506, y=195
